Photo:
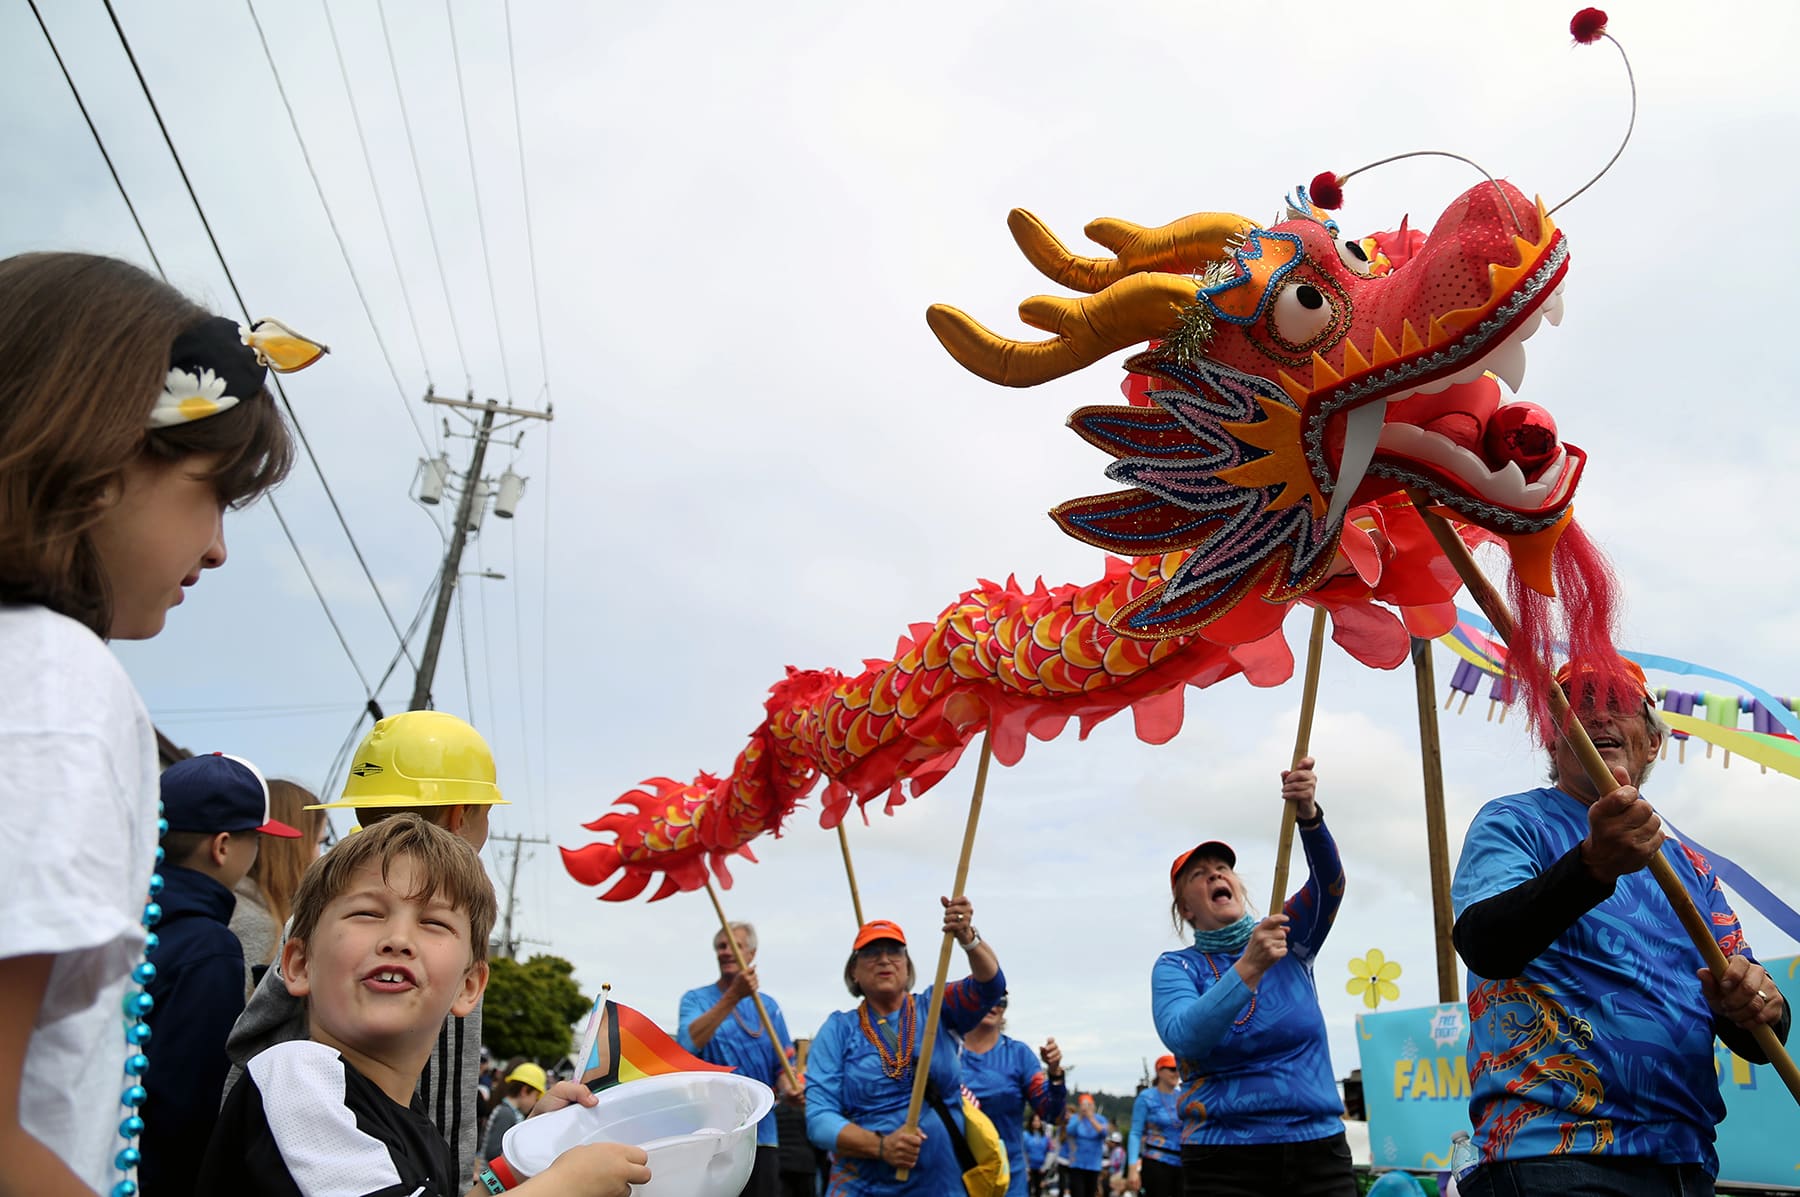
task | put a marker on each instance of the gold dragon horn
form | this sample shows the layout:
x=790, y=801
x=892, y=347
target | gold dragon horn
x=1137, y=308
x=1183, y=246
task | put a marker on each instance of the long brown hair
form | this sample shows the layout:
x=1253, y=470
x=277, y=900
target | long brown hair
x=280, y=863
x=84, y=350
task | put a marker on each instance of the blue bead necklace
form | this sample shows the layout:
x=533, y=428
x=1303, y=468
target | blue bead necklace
x=137, y=1033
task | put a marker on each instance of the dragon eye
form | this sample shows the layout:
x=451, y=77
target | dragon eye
x=1354, y=257
x=1301, y=313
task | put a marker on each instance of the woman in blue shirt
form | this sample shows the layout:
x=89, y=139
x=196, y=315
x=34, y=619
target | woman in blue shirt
x=1086, y=1138
x=1154, y=1152
x=860, y=1072
x=1259, y=1105
x=1037, y=1156
x=1004, y=1076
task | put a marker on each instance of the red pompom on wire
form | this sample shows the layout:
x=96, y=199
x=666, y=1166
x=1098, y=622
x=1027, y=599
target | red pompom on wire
x=1588, y=26
x=1326, y=190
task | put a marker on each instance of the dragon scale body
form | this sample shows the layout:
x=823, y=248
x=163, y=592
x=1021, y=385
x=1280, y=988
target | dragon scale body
x=1019, y=663
x=1296, y=388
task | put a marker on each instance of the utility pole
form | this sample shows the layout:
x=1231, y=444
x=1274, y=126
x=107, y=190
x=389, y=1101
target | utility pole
x=509, y=945
x=474, y=491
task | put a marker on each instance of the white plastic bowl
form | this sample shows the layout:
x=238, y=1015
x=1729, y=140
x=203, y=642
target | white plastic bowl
x=699, y=1129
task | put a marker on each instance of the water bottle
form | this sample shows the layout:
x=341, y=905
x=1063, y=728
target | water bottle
x=1463, y=1156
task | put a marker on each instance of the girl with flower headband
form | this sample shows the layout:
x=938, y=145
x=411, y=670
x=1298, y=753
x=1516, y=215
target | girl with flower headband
x=130, y=419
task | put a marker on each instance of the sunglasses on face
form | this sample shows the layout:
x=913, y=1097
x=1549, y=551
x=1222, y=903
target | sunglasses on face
x=882, y=951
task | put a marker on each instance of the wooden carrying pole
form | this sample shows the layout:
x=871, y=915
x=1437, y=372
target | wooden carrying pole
x=744, y=966
x=1437, y=837
x=850, y=872
x=1309, y=697
x=1600, y=777
x=922, y=1069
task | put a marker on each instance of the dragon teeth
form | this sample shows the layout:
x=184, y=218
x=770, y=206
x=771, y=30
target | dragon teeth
x=1362, y=436
x=1507, y=363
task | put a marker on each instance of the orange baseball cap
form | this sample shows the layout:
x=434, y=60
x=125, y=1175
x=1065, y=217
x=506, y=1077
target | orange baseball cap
x=1567, y=671
x=868, y=933
x=1217, y=848
x=1166, y=1061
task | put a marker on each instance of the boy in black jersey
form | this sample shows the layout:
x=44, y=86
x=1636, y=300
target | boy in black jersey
x=389, y=936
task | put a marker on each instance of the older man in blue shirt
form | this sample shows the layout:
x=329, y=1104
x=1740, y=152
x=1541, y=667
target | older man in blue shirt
x=719, y=1023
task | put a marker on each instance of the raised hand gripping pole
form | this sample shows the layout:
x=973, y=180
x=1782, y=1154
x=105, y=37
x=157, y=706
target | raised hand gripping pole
x=1600, y=776
x=743, y=966
x=922, y=1068
x=1309, y=696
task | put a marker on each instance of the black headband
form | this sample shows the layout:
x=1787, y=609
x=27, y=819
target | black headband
x=218, y=363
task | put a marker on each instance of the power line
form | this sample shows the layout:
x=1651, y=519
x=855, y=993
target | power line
x=537, y=302
x=113, y=170
x=544, y=634
x=100, y=145
x=462, y=636
x=236, y=708
x=487, y=644
x=541, y=798
x=381, y=208
x=487, y=260
x=519, y=668
x=293, y=417
x=314, y=583
x=424, y=196
x=411, y=628
x=342, y=757
x=330, y=219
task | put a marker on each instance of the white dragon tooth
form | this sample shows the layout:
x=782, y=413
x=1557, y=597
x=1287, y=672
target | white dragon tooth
x=1469, y=373
x=1530, y=326
x=1554, y=471
x=1362, y=433
x=1508, y=483
x=1553, y=307
x=1508, y=364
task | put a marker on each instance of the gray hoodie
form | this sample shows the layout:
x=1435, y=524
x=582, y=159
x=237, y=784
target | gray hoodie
x=447, y=1085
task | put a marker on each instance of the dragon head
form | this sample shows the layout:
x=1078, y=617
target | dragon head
x=1301, y=372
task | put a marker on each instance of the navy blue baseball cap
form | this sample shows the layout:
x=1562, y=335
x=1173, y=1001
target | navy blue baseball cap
x=215, y=793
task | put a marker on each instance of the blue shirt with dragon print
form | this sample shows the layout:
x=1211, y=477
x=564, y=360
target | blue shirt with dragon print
x=1604, y=1044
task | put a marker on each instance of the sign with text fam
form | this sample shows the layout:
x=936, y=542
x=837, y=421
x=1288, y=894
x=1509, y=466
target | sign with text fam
x=1415, y=1070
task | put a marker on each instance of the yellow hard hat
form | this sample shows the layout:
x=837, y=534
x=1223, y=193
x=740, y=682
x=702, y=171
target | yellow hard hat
x=420, y=758
x=531, y=1075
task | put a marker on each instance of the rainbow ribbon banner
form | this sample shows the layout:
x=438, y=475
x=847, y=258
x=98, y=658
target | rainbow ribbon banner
x=1416, y=1088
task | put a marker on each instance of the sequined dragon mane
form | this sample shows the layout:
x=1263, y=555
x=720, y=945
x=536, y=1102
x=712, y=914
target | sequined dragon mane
x=1301, y=374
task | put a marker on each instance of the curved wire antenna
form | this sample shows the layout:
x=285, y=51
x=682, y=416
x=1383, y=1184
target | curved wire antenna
x=1631, y=80
x=1498, y=190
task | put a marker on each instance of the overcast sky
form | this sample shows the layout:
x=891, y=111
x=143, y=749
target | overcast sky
x=761, y=457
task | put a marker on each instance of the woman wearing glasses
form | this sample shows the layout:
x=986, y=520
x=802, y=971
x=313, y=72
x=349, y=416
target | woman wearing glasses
x=1005, y=1077
x=860, y=1075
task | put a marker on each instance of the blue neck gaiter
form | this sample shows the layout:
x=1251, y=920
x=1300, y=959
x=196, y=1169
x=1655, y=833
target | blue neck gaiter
x=1226, y=939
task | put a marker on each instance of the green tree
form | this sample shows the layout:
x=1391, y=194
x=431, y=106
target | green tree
x=529, y=1007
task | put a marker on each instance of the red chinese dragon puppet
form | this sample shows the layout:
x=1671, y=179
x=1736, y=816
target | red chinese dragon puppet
x=1298, y=384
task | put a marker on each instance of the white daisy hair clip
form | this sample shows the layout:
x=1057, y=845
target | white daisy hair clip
x=218, y=363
